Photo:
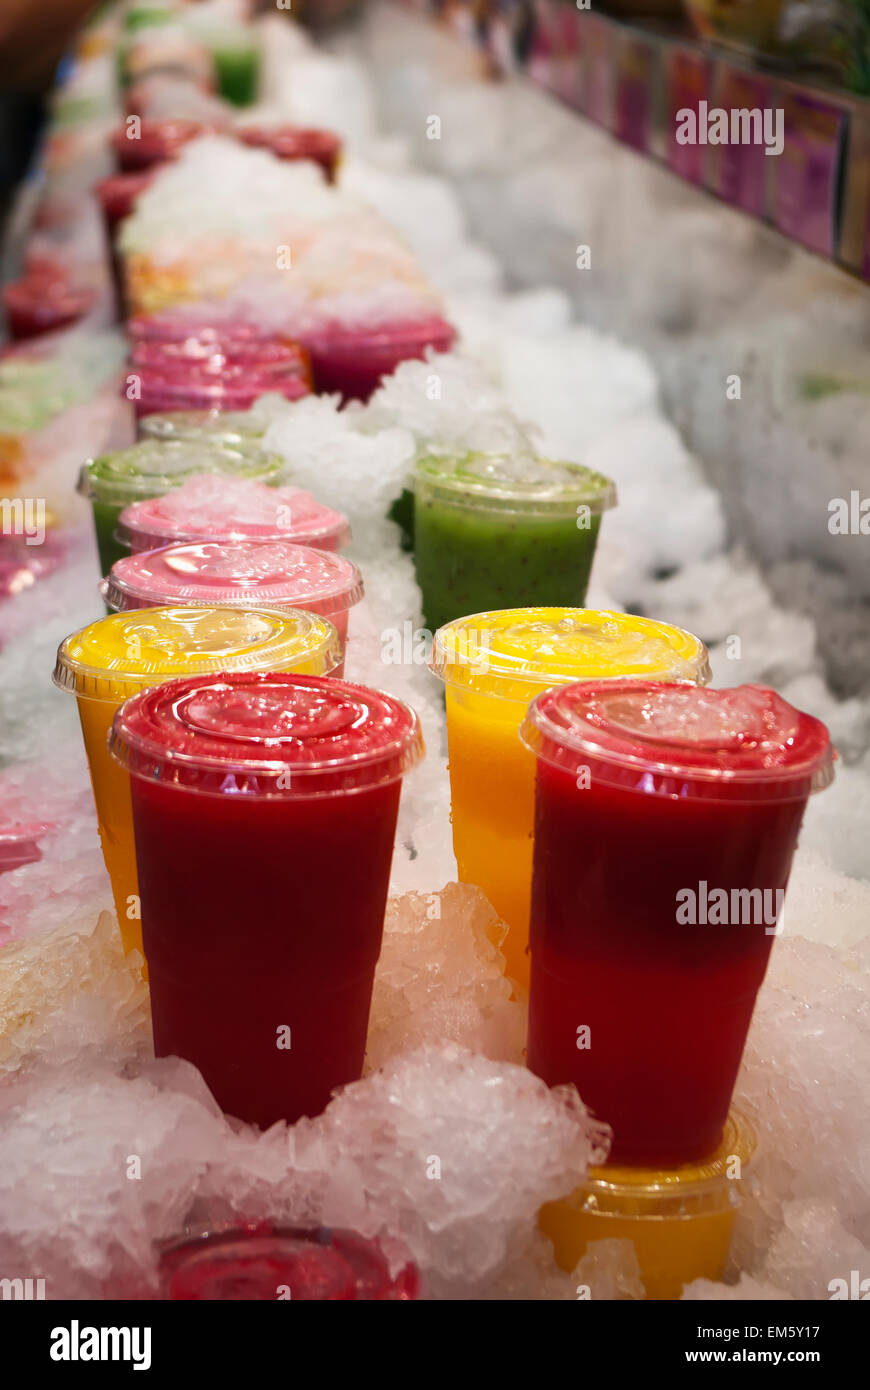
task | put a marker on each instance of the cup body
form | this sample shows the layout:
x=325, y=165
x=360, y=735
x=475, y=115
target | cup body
x=667, y=1004
x=286, y=933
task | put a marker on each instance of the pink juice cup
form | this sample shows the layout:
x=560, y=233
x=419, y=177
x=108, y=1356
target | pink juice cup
x=212, y=353
x=238, y=574
x=203, y=321
x=235, y=387
x=352, y=361
x=143, y=145
x=211, y=508
x=264, y=812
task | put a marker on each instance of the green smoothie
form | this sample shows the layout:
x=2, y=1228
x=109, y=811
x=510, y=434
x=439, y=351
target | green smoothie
x=237, y=65
x=152, y=467
x=493, y=531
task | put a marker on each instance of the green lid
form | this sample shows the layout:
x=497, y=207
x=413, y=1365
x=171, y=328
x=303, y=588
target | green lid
x=154, y=466
x=513, y=483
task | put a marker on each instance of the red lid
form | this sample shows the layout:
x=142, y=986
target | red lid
x=233, y=387
x=198, y=321
x=265, y=734
x=323, y=147
x=141, y=143
x=118, y=193
x=212, y=507
x=682, y=740
x=211, y=353
x=254, y=1261
x=238, y=574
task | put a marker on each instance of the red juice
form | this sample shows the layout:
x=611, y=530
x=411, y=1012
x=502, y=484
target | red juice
x=264, y=810
x=40, y=303
x=352, y=361
x=666, y=819
x=262, y=1262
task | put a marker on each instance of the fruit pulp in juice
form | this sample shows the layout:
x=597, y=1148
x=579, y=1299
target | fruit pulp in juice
x=470, y=560
x=492, y=792
x=667, y=1004
x=262, y=921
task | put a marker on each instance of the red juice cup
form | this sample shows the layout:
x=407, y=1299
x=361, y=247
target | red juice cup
x=145, y=144
x=322, y=147
x=39, y=303
x=264, y=810
x=238, y=574
x=211, y=353
x=202, y=321
x=666, y=818
x=117, y=196
x=261, y=1262
x=352, y=361
x=214, y=508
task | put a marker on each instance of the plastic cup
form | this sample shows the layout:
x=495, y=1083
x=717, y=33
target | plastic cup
x=213, y=355
x=114, y=658
x=209, y=322
x=494, y=531
x=260, y=1261
x=38, y=304
x=149, y=143
x=321, y=147
x=352, y=361
x=151, y=468
x=234, y=387
x=265, y=813
x=238, y=574
x=680, y=1220
x=237, y=64
x=666, y=818
x=225, y=426
x=217, y=508
x=493, y=665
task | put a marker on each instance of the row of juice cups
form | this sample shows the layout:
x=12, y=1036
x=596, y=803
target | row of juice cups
x=487, y=530
x=249, y=785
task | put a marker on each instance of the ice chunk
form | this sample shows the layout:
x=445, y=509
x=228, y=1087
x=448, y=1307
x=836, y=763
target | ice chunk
x=440, y=978
x=610, y=1270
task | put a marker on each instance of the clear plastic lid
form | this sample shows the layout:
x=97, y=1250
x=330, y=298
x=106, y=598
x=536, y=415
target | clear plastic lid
x=258, y=574
x=266, y=735
x=516, y=652
x=117, y=656
x=267, y=357
x=678, y=740
x=215, y=507
x=224, y=426
x=151, y=467
x=513, y=483
x=235, y=387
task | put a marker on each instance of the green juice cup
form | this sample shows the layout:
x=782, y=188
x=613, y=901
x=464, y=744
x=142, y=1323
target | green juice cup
x=493, y=531
x=153, y=467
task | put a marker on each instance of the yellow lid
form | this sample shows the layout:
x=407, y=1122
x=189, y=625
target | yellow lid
x=127, y=652
x=711, y=1184
x=517, y=652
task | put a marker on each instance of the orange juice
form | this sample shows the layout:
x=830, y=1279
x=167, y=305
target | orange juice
x=116, y=657
x=493, y=665
x=680, y=1219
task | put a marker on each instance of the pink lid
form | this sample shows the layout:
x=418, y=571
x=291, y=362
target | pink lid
x=211, y=353
x=682, y=740
x=323, y=147
x=205, y=321
x=237, y=574
x=211, y=507
x=232, y=388
x=265, y=734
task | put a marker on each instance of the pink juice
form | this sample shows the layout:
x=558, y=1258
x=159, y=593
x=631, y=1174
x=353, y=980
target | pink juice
x=238, y=574
x=652, y=804
x=352, y=361
x=264, y=809
x=213, y=508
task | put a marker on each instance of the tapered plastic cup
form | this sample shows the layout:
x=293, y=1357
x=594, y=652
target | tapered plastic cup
x=666, y=818
x=493, y=665
x=235, y=386
x=495, y=531
x=114, y=658
x=152, y=468
x=223, y=426
x=219, y=508
x=353, y=361
x=244, y=574
x=265, y=813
